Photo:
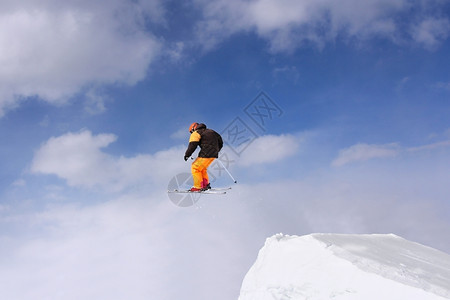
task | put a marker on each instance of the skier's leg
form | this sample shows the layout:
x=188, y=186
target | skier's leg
x=205, y=177
x=199, y=171
x=196, y=170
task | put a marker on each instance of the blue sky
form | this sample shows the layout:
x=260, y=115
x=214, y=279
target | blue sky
x=95, y=104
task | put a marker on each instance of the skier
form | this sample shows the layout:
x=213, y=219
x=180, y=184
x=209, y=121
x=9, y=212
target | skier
x=210, y=143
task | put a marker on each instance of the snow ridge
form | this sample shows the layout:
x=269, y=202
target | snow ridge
x=338, y=266
x=394, y=258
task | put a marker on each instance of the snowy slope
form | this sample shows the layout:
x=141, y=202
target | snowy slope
x=347, y=267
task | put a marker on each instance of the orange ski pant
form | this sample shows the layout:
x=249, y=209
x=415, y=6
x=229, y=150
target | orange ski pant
x=199, y=172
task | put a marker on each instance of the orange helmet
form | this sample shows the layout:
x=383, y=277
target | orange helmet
x=193, y=127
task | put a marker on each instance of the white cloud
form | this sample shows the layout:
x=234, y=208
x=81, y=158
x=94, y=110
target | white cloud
x=54, y=49
x=430, y=146
x=290, y=73
x=269, y=149
x=78, y=158
x=19, y=182
x=363, y=152
x=126, y=248
x=289, y=24
x=442, y=85
x=431, y=32
x=95, y=102
x=181, y=134
x=109, y=251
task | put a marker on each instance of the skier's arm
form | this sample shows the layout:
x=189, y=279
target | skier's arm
x=191, y=148
x=194, y=141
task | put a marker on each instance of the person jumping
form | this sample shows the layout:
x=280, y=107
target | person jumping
x=210, y=143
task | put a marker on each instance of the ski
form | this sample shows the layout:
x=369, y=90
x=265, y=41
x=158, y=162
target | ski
x=220, y=189
x=211, y=191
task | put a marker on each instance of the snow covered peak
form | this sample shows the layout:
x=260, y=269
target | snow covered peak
x=344, y=267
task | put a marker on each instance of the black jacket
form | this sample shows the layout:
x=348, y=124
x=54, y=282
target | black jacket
x=210, y=142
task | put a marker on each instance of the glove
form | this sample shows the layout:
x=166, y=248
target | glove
x=186, y=158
